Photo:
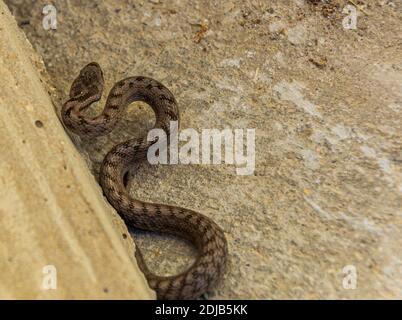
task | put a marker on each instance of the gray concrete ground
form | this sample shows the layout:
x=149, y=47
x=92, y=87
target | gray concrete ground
x=326, y=105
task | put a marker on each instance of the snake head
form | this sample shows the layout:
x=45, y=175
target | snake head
x=90, y=80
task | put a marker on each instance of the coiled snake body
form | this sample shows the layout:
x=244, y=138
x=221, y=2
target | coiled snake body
x=206, y=235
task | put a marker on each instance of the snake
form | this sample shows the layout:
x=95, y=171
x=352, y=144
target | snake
x=204, y=274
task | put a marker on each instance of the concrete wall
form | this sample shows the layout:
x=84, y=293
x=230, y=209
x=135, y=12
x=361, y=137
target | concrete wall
x=52, y=212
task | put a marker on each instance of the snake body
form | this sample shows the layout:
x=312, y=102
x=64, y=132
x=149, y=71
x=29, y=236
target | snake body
x=204, y=274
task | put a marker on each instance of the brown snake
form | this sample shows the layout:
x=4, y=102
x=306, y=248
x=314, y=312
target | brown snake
x=205, y=234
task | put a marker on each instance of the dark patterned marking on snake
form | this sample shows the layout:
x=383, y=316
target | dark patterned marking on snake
x=204, y=274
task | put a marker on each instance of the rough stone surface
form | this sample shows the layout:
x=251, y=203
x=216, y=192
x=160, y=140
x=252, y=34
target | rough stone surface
x=326, y=105
x=58, y=237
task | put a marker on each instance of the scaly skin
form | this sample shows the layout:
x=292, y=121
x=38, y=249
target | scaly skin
x=205, y=234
